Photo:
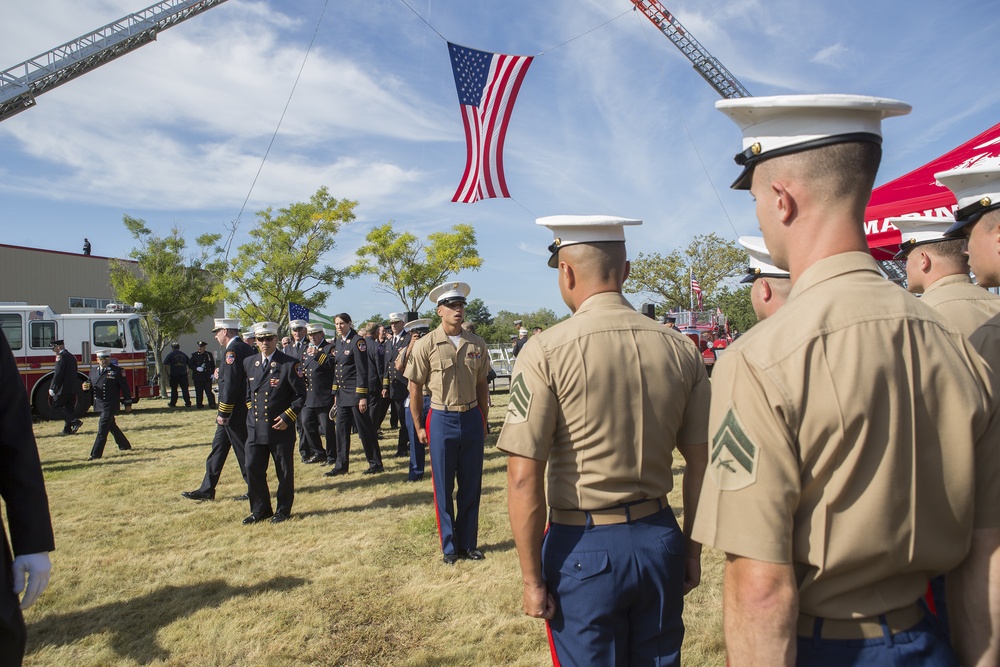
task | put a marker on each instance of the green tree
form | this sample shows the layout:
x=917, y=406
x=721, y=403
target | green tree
x=667, y=279
x=283, y=260
x=736, y=306
x=177, y=289
x=502, y=327
x=408, y=270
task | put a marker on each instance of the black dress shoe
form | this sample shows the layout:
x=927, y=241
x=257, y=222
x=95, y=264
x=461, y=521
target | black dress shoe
x=334, y=472
x=75, y=426
x=243, y=497
x=315, y=458
x=91, y=458
x=279, y=517
x=198, y=495
x=414, y=479
x=125, y=449
x=400, y=453
x=373, y=470
x=257, y=518
x=450, y=559
x=471, y=554
x=380, y=435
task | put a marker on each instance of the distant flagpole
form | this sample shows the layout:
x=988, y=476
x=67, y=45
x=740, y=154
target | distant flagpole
x=487, y=85
x=690, y=288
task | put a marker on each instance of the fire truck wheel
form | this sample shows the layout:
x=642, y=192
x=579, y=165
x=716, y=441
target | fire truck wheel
x=43, y=402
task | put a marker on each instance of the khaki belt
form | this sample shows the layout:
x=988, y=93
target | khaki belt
x=608, y=517
x=897, y=620
x=455, y=408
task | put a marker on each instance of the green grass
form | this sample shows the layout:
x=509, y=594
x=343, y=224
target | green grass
x=142, y=576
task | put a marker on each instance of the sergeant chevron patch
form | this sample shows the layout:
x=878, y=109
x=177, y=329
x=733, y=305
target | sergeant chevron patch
x=520, y=401
x=734, y=458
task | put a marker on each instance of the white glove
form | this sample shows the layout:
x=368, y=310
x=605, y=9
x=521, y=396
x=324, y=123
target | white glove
x=37, y=568
x=52, y=393
x=201, y=369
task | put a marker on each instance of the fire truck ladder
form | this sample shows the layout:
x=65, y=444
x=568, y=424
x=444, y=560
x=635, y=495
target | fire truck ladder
x=22, y=83
x=704, y=62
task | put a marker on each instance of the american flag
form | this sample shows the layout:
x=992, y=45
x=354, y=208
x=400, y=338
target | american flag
x=298, y=312
x=696, y=288
x=487, y=86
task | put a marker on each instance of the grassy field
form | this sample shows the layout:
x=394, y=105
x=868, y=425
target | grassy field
x=142, y=576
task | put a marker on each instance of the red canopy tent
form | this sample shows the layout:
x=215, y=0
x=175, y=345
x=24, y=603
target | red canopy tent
x=919, y=193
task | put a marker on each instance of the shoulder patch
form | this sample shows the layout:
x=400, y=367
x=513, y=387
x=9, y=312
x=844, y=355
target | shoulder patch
x=230, y=357
x=520, y=401
x=734, y=457
x=298, y=369
x=361, y=345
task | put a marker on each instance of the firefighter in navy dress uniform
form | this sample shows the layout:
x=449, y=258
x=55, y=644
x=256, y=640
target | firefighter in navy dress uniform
x=64, y=387
x=23, y=489
x=109, y=388
x=275, y=396
x=231, y=420
x=317, y=371
x=395, y=390
x=350, y=401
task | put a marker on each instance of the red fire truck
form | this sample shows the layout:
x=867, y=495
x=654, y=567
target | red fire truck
x=31, y=330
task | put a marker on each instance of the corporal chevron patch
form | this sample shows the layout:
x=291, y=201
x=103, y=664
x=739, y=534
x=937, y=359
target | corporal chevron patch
x=734, y=458
x=520, y=401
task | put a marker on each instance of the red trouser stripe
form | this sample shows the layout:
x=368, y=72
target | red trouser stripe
x=437, y=512
x=548, y=628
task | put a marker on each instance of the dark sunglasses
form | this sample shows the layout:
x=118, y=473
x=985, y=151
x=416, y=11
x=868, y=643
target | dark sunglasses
x=266, y=338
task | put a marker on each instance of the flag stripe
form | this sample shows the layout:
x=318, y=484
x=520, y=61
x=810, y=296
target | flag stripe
x=487, y=85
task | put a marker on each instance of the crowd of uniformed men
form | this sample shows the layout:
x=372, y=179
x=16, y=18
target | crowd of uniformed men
x=845, y=455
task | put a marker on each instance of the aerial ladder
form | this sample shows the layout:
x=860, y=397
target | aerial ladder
x=713, y=71
x=22, y=83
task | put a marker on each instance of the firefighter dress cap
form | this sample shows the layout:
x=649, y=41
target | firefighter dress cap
x=265, y=329
x=785, y=124
x=918, y=230
x=225, y=323
x=248, y=334
x=396, y=317
x=315, y=328
x=450, y=293
x=103, y=354
x=298, y=324
x=58, y=341
x=202, y=343
x=523, y=332
x=977, y=191
x=761, y=265
x=573, y=229
x=422, y=324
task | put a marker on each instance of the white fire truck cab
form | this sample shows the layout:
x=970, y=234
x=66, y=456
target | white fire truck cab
x=30, y=331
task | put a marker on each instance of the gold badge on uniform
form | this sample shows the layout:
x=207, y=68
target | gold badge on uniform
x=734, y=458
x=520, y=401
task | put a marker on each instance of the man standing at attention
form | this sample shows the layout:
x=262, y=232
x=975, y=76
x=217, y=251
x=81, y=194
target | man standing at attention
x=769, y=285
x=275, y=394
x=202, y=365
x=976, y=623
x=109, y=388
x=231, y=421
x=64, y=387
x=453, y=364
x=350, y=399
x=938, y=268
x=318, y=440
x=834, y=463
x=610, y=574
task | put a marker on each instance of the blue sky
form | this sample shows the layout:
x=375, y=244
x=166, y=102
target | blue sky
x=613, y=122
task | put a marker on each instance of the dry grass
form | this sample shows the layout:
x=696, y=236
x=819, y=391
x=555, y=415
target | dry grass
x=143, y=576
